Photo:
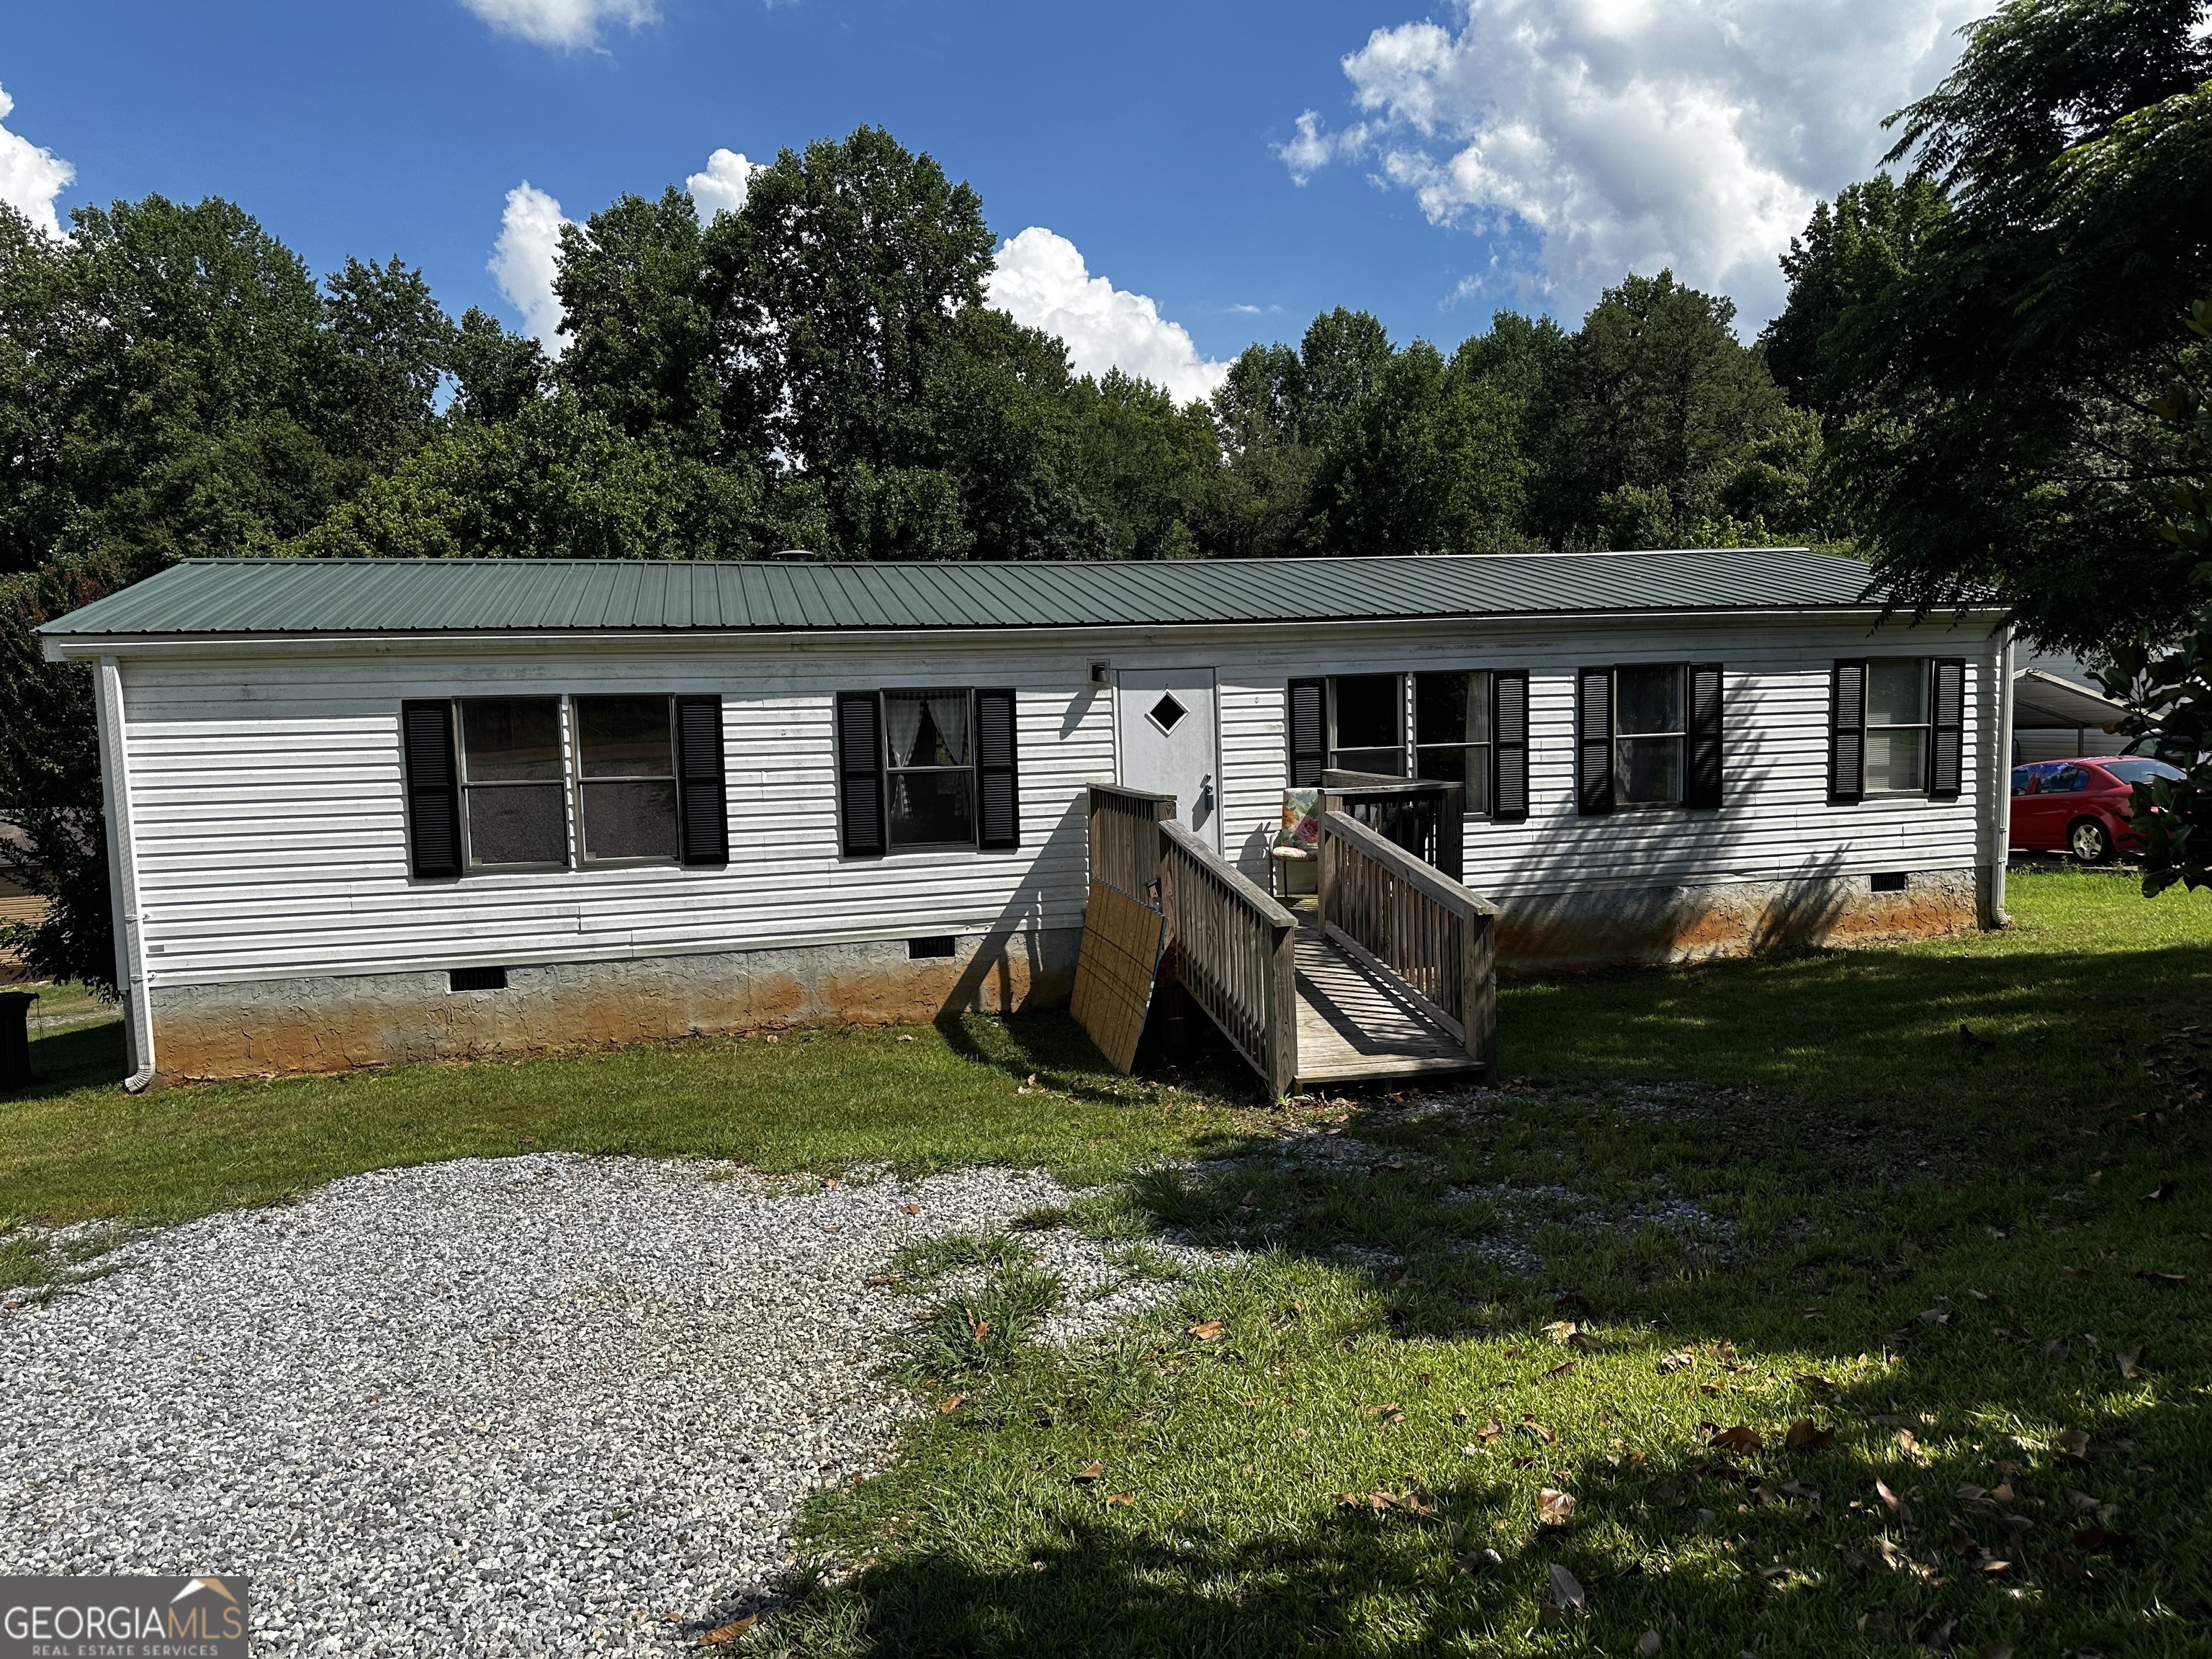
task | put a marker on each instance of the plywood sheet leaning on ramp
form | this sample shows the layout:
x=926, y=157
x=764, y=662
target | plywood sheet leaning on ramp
x=1114, y=974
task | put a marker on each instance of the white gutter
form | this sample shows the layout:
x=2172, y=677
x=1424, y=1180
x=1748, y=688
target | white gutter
x=123, y=878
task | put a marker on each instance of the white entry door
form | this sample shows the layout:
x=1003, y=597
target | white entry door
x=1169, y=742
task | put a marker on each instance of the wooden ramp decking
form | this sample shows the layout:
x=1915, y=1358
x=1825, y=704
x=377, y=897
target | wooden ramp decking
x=1355, y=1022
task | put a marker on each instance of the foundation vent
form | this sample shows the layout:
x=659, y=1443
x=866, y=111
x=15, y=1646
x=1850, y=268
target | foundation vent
x=916, y=949
x=476, y=979
x=1893, y=881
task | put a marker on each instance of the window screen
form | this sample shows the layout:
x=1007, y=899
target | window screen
x=1896, y=726
x=1452, y=733
x=626, y=778
x=926, y=737
x=511, y=775
x=1650, y=724
x=1367, y=716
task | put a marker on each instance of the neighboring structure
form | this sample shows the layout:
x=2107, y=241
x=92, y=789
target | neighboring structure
x=2058, y=713
x=17, y=902
x=366, y=811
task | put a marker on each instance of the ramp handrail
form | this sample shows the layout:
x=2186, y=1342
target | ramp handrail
x=1432, y=935
x=1125, y=838
x=1235, y=952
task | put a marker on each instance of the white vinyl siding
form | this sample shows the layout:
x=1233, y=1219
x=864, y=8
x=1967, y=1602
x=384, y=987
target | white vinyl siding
x=271, y=838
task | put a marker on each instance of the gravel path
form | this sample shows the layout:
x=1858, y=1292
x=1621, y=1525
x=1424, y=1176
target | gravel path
x=546, y=1404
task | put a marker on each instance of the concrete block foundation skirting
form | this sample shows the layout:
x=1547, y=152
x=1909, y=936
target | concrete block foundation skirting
x=328, y=1023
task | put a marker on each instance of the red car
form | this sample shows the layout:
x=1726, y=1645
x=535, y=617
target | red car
x=2080, y=806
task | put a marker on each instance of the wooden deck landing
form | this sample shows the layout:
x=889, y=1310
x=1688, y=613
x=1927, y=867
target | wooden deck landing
x=1354, y=1022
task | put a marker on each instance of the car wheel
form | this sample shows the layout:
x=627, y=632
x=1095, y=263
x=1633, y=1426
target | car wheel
x=2089, y=840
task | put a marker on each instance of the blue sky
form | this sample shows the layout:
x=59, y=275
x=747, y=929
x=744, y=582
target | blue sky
x=1242, y=165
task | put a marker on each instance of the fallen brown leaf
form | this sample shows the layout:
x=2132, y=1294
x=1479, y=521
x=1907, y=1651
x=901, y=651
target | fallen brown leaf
x=1677, y=1361
x=2098, y=1541
x=1898, y=1506
x=947, y=1407
x=1804, y=1436
x=2073, y=1445
x=2163, y=1191
x=1742, y=1437
x=1812, y=1380
x=1559, y=1330
x=1554, y=1509
x=1564, y=1369
x=906, y=1209
x=1647, y=1644
x=1934, y=1317
x=2162, y=1278
x=1478, y=1561
x=1123, y=1498
x=1531, y=1427
x=2131, y=1363
x=730, y=1632
x=2060, y=1561
x=1207, y=1330
x=1085, y=1476
x=1493, y=1429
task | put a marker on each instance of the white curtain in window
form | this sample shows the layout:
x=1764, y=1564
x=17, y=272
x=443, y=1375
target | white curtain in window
x=950, y=710
x=902, y=721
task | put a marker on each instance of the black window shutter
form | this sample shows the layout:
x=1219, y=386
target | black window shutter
x=434, y=795
x=704, y=803
x=1947, y=742
x=860, y=772
x=1508, y=746
x=1702, y=787
x=998, y=793
x=1308, y=744
x=1847, y=734
x=1594, y=740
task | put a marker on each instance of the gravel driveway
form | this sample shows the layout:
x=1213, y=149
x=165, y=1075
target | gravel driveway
x=544, y=1404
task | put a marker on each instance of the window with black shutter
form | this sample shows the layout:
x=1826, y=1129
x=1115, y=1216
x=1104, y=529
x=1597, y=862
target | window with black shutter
x=705, y=800
x=1307, y=732
x=1947, y=733
x=1509, y=753
x=1594, y=741
x=434, y=803
x=860, y=774
x=1847, y=732
x=1702, y=786
x=626, y=780
x=998, y=793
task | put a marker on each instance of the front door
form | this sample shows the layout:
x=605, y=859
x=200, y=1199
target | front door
x=1167, y=736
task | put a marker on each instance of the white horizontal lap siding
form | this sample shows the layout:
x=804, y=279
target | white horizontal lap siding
x=1775, y=822
x=272, y=831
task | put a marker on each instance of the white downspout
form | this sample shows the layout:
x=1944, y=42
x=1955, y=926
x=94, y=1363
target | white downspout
x=1996, y=814
x=123, y=878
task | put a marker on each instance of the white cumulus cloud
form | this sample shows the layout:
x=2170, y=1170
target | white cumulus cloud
x=567, y=23
x=1634, y=134
x=526, y=259
x=721, y=188
x=31, y=177
x=1042, y=282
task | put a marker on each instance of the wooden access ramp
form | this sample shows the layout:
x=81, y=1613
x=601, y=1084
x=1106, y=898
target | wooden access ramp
x=1394, y=975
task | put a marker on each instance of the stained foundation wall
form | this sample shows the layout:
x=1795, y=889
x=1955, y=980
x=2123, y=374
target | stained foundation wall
x=336, y=1022
x=1608, y=927
x=332, y=1022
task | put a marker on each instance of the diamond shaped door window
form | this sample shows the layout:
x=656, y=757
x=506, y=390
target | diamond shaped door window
x=1167, y=713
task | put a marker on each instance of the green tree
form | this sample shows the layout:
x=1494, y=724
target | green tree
x=172, y=384
x=1852, y=249
x=1993, y=430
x=1426, y=462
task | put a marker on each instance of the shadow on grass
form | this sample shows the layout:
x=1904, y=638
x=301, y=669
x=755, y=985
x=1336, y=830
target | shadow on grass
x=74, y=1057
x=1755, y=1194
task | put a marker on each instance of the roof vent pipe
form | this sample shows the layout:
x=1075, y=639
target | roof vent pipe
x=792, y=553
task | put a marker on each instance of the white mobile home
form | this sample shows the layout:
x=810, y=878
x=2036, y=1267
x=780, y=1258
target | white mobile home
x=367, y=811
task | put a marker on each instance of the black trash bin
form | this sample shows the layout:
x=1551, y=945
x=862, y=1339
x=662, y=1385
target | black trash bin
x=16, y=1038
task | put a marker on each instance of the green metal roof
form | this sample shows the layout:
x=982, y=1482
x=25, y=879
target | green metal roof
x=248, y=597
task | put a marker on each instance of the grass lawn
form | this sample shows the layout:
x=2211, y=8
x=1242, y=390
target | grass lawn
x=1738, y=1197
